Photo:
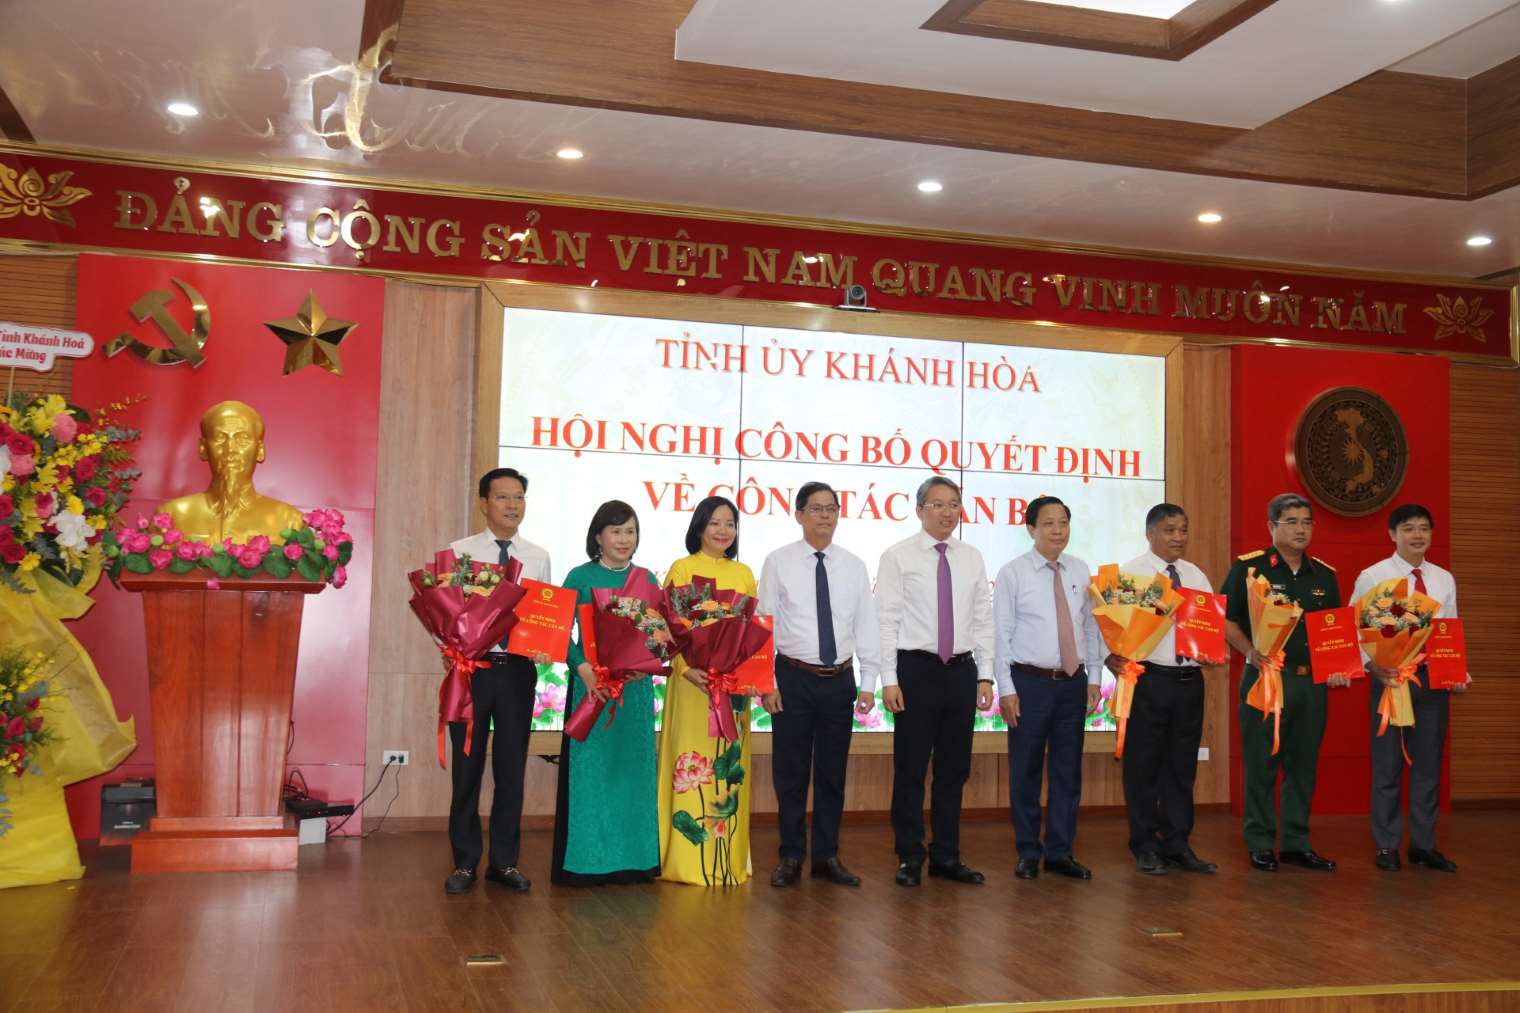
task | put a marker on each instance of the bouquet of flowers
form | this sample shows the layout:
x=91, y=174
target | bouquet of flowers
x=64, y=474
x=625, y=634
x=1273, y=618
x=22, y=731
x=1393, y=621
x=717, y=631
x=467, y=607
x=1133, y=614
x=318, y=551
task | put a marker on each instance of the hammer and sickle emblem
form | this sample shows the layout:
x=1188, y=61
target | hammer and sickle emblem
x=186, y=347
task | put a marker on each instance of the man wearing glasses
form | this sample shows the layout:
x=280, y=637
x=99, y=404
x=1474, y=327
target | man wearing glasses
x=820, y=597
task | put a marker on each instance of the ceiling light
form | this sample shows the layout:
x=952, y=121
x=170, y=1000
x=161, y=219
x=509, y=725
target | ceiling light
x=930, y=186
x=570, y=154
x=1211, y=217
x=1479, y=240
x=183, y=109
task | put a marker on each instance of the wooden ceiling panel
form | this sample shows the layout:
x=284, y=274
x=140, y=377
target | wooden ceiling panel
x=1493, y=129
x=1389, y=132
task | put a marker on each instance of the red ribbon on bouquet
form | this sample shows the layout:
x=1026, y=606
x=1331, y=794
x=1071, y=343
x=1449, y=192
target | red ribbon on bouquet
x=616, y=648
x=720, y=706
x=1123, y=699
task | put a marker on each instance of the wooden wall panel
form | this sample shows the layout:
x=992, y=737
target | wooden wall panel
x=39, y=290
x=1485, y=545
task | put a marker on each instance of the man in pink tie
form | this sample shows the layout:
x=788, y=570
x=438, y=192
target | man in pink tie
x=1049, y=666
x=935, y=611
x=1412, y=530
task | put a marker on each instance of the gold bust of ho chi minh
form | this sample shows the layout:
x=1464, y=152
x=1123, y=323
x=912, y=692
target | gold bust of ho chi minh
x=232, y=444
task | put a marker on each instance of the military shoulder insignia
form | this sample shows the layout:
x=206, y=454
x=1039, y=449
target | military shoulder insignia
x=1321, y=562
x=1252, y=555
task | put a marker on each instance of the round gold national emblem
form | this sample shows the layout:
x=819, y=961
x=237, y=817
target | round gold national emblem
x=1351, y=451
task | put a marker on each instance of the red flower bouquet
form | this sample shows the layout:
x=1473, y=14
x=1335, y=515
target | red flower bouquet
x=718, y=631
x=467, y=607
x=625, y=634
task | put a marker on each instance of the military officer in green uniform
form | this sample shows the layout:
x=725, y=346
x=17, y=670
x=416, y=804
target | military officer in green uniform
x=1311, y=583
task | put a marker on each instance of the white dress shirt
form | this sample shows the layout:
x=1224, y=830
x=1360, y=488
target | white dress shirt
x=1192, y=578
x=1024, y=606
x=789, y=592
x=482, y=547
x=1439, y=583
x=907, y=602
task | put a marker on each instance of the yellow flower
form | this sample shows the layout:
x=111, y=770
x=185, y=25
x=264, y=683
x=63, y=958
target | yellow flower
x=75, y=504
x=30, y=561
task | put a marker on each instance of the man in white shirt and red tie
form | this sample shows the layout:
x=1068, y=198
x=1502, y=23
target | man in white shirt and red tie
x=935, y=608
x=820, y=597
x=1410, y=527
x=1166, y=718
x=502, y=694
x=1049, y=671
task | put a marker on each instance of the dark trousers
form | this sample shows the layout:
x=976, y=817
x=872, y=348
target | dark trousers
x=810, y=737
x=1052, y=715
x=939, y=713
x=1161, y=758
x=1425, y=743
x=503, y=693
x=1305, y=707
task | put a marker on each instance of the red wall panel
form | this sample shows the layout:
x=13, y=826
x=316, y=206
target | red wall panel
x=321, y=438
x=1270, y=388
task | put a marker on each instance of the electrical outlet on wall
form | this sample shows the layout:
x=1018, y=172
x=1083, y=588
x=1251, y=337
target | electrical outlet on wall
x=399, y=757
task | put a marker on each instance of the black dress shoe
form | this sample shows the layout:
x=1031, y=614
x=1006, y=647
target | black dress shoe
x=1387, y=859
x=1431, y=859
x=1150, y=863
x=787, y=872
x=960, y=872
x=833, y=870
x=1264, y=861
x=1307, y=859
x=1187, y=861
x=507, y=876
x=1068, y=866
x=459, y=881
x=1028, y=868
x=909, y=873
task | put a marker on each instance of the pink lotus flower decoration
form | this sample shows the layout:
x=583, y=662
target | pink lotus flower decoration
x=692, y=770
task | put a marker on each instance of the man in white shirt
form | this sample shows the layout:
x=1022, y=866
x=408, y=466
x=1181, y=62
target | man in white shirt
x=1410, y=527
x=936, y=657
x=502, y=694
x=1049, y=673
x=820, y=597
x=1166, y=717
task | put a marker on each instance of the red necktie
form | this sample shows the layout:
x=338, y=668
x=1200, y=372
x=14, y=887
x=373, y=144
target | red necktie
x=1419, y=581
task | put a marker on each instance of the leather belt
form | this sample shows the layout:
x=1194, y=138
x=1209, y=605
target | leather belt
x=1049, y=673
x=955, y=659
x=822, y=671
x=1178, y=671
x=1297, y=670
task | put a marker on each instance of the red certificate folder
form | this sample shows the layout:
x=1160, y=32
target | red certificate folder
x=1200, y=626
x=544, y=617
x=1334, y=646
x=1446, y=654
x=758, y=674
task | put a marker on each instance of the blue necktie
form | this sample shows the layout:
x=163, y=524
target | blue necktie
x=827, y=653
x=505, y=543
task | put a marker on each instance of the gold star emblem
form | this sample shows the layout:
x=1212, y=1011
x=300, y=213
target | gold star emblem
x=311, y=338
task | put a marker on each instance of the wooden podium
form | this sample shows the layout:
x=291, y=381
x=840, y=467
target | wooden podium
x=221, y=676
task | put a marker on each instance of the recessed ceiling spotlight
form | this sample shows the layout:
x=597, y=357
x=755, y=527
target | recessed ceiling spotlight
x=182, y=109
x=570, y=154
x=1479, y=240
x=930, y=186
x=1211, y=217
